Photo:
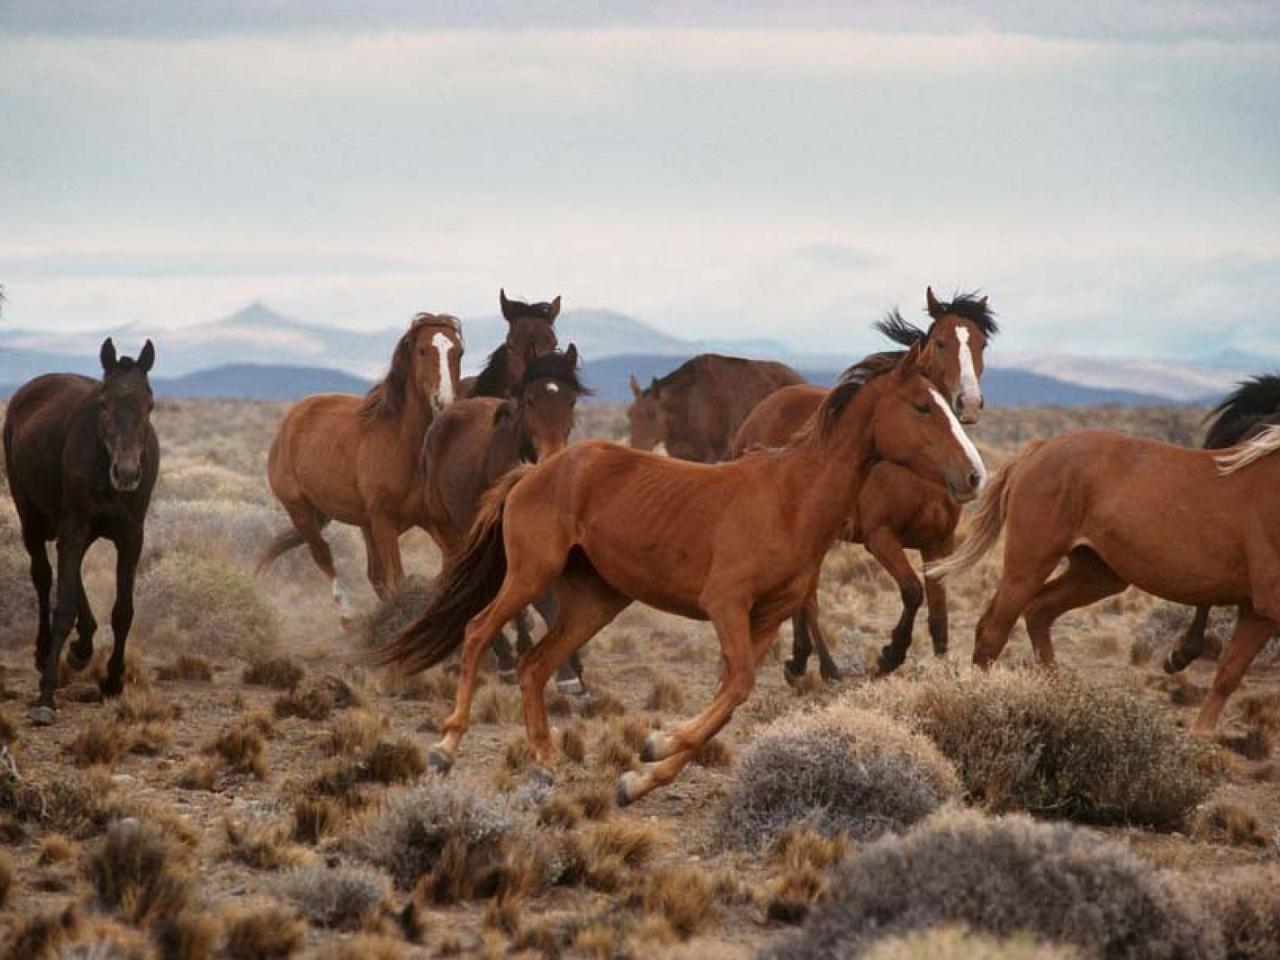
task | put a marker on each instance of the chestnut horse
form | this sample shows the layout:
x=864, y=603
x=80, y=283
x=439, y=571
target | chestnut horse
x=357, y=461
x=530, y=333
x=695, y=410
x=82, y=459
x=474, y=443
x=1252, y=407
x=737, y=543
x=1191, y=526
x=895, y=510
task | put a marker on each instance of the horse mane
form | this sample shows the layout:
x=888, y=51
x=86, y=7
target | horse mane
x=1262, y=445
x=967, y=306
x=385, y=399
x=492, y=380
x=555, y=366
x=1244, y=411
x=541, y=311
x=899, y=329
x=850, y=382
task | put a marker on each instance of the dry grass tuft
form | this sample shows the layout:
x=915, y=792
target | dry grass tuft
x=1255, y=743
x=278, y=673
x=1004, y=876
x=355, y=731
x=56, y=848
x=612, y=752
x=367, y=946
x=836, y=770
x=6, y=878
x=242, y=747
x=595, y=799
x=498, y=705
x=683, y=896
x=597, y=705
x=74, y=935
x=957, y=943
x=666, y=696
x=190, y=935
x=265, y=933
x=573, y=743
x=199, y=773
x=713, y=753
x=1054, y=745
x=187, y=667
x=1230, y=824
x=99, y=743
x=561, y=811
x=517, y=755
x=262, y=846
x=803, y=858
x=139, y=871
x=341, y=899
x=394, y=761
x=146, y=706
x=1246, y=905
x=315, y=818
x=633, y=841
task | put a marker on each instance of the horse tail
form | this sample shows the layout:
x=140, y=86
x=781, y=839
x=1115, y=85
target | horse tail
x=467, y=585
x=282, y=543
x=988, y=521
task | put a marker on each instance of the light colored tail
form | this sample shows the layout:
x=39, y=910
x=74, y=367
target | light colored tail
x=987, y=522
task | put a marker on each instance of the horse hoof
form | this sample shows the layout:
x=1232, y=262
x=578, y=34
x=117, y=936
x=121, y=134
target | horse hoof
x=42, y=716
x=508, y=677
x=572, y=688
x=626, y=789
x=791, y=674
x=650, y=752
x=832, y=674
x=77, y=662
x=1171, y=664
x=439, y=761
x=886, y=665
x=110, y=686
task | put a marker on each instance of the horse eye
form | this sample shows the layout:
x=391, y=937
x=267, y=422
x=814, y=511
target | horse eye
x=924, y=408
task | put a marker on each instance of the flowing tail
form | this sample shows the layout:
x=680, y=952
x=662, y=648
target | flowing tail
x=283, y=542
x=988, y=521
x=466, y=586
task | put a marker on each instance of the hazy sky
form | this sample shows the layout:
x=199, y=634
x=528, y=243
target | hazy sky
x=732, y=169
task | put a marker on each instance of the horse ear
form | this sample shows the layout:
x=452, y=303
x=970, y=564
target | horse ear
x=983, y=303
x=572, y=355
x=635, y=388
x=553, y=311
x=147, y=358
x=107, y=355
x=505, y=304
x=910, y=364
x=931, y=302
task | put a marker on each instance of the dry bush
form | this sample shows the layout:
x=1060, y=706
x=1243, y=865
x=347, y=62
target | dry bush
x=73, y=803
x=803, y=858
x=315, y=818
x=56, y=848
x=498, y=705
x=6, y=878
x=383, y=624
x=138, y=870
x=313, y=700
x=17, y=595
x=835, y=770
x=1246, y=904
x=203, y=603
x=190, y=935
x=683, y=896
x=667, y=696
x=242, y=747
x=186, y=481
x=99, y=743
x=367, y=946
x=262, y=846
x=1004, y=876
x=957, y=943
x=263, y=933
x=595, y=799
x=573, y=743
x=634, y=842
x=343, y=899
x=596, y=705
x=238, y=532
x=1229, y=823
x=278, y=673
x=71, y=934
x=355, y=731
x=418, y=827
x=188, y=667
x=146, y=706
x=714, y=753
x=394, y=761
x=1053, y=744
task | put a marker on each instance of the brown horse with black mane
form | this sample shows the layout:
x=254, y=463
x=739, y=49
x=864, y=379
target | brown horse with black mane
x=357, y=460
x=896, y=510
x=475, y=443
x=739, y=544
x=530, y=333
x=1191, y=526
x=695, y=410
x=82, y=459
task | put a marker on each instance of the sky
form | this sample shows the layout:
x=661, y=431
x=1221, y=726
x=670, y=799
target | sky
x=720, y=170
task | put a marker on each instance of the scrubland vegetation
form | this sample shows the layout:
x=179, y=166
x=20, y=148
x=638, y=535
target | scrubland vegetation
x=260, y=791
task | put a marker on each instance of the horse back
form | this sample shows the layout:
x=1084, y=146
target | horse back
x=778, y=417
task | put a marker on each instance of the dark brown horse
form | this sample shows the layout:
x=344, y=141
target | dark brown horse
x=695, y=410
x=739, y=544
x=82, y=459
x=896, y=511
x=530, y=333
x=1191, y=526
x=1252, y=407
x=357, y=461
x=475, y=443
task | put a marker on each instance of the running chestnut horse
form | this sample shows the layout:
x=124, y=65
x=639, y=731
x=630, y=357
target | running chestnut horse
x=695, y=410
x=357, y=461
x=896, y=510
x=1198, y=527
x=475, y=443
x=530, y=333
x=82, y=460
x=1245, y=413
x=739, y=544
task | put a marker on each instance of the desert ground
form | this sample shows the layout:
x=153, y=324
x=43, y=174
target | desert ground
x=261, y=790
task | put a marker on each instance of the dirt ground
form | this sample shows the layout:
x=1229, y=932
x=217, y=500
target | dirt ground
x=214, y=454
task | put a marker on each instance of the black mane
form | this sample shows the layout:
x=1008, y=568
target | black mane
x=853, y=380
x=492, y=380
x=900, y=330
x=541, y=311
x=971, y=307
x=1252, y=405
x=555, y=366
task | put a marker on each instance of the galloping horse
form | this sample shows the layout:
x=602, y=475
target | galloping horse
x=695, y=410
x=896, y=510
x=357, y=461
x=82, y=459
x=1245, y=413
x=530, y=333
x=739, y=544
x=474, y=443
x=1191, y=526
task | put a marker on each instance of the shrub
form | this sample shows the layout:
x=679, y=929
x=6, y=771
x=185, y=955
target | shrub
x=17, y=595
x=836, y=770
x=188, y=667
x=344, y=899
x=269, y=933
x=242, y=747
x=1246, y=903
x=278, y=673
x=6, y=878
x=956, y=943
x=1053, y=744
x=384, y=623
x=410, y=837
x=1004, y=876
x=207, y=481
x=231, y=529
x=138, y=870
x=206, y=603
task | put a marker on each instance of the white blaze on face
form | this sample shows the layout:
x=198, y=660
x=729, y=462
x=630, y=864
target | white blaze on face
x=443, y=345
x=970, y=451
x=553, y=387
x=970, y=390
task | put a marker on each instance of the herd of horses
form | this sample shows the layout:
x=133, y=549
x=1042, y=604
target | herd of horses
x=763, y=473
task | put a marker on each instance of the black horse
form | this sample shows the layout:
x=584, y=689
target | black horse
x=1248, y=410
x=82, y=459
x=530, y=333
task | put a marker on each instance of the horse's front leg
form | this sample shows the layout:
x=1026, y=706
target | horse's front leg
x=72, y=543
x=128, y=550
x=883, y=544
x=386, y=543
x=1192, y=644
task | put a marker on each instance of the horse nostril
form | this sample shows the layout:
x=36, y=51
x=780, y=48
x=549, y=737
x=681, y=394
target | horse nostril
x=975, y=479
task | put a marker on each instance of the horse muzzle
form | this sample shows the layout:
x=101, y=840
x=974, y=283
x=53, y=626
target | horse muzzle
x=126, y=479
x=969, y=410
x=966, y=487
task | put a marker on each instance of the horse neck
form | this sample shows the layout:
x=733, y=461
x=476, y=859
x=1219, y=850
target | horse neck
x=415, y=418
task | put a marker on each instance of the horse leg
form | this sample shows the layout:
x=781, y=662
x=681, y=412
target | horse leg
x=1015, y=591
x=883, y=544
x=386, y=539
x=1252, y=632
x=569, y=677
x=666, y=755
x=1086, y=580
x=128, y=550
x=42, y=580
x=935, y=598
x=308, y=522
x=506, y=656
x=372, y=561
x=72, y=543
x=801, y=646
x=81, y=650
x=1192, y=645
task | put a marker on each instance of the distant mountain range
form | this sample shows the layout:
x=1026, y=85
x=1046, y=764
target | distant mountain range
x=260, y=353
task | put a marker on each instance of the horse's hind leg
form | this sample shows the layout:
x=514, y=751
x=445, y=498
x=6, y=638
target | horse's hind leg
x=309, y=523
x=569, y=677
x=42, y=580
x=801, y=647
x=1192, y=644
x=1086, y=580
x=1252, y=632
x=1018, y=586
x=386, y=541
x=81, y=650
